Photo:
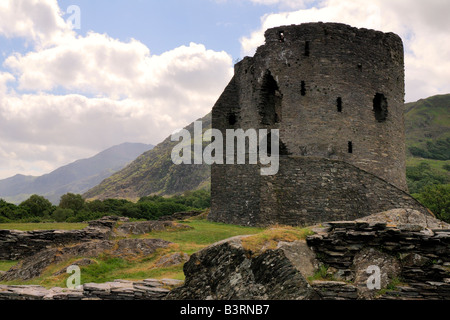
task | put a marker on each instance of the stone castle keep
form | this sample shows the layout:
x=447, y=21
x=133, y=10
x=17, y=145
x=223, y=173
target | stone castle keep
x=336, y=94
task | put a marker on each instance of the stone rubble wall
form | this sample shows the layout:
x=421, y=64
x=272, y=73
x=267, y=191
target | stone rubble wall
x=421, y=257
x=16, y=245
x=149, y=289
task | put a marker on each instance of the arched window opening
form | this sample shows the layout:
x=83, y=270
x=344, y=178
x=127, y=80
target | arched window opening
x=380, y=107
x=270, y=102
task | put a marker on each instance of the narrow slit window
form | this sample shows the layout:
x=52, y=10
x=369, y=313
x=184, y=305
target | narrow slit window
x=350, y=147
x=307, y=47
x=339, y=104
x=303, y=88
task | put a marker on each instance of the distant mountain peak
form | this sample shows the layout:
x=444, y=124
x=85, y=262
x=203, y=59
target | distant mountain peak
x=76, y=177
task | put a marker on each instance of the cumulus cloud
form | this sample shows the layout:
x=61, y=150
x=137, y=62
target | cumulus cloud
x=422, y=25
x=114, y=91
x=5, y=77
x=284, y=4
x=36, y=20
x=98, y=64
x=293, y=4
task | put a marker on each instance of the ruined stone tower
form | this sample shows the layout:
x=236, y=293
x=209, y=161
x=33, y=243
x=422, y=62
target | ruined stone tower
x=336, y=93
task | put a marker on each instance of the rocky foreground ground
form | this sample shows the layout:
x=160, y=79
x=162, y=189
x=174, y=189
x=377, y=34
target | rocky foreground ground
x=410, y=249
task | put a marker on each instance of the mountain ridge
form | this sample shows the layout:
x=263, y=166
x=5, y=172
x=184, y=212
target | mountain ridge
x=76, y=177
x=153, y=173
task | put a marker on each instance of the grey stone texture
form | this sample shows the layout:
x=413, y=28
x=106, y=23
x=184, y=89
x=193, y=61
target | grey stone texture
x=336, y=93
x=148, y=289
x=417, y=257
x=227, y=271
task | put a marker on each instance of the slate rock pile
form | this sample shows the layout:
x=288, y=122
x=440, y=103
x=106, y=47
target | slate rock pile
x=149, y=289
x=414, y=256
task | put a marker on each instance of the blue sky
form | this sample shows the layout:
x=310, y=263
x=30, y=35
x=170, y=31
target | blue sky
x=139, y=69
x=164, y=25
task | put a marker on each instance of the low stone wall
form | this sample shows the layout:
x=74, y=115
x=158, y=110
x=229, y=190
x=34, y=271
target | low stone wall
x=16, y=245
x=34, y=265
x=149, y=289
x=414, y=261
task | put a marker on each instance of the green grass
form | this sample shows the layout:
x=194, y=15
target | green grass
x=203, y=234
x=42, y=226
x=321, y=274
x=6, y=265
x=269, y=238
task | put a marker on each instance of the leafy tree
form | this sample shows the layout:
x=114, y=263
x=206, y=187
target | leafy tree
x=423, y=175
x=61, y=215
x=37, y=206
x=437, y=199
x=438, y=150
x=96, y=206
x=72, y=201
x=130, y=210
x=148, y=209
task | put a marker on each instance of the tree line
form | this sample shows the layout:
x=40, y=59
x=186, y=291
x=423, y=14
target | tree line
x=431, y=187
x=74, y=208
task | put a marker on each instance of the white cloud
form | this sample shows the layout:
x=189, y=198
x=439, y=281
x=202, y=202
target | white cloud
x=423, y=25
x=293, y=4
x=5, y=77
x=39, y=21
x=98, y=64
x=284, y=4
x=114, y=91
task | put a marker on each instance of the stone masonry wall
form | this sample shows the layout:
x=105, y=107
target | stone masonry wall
x=306, y=191
x=334, y=92
x=312, y=190
x=418, y=257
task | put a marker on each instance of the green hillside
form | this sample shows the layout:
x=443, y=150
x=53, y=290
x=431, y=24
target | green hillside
x=428, y=128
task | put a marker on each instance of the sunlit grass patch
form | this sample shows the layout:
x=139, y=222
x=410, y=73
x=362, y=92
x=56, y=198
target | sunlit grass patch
x=269, y=238
x=5, y=265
